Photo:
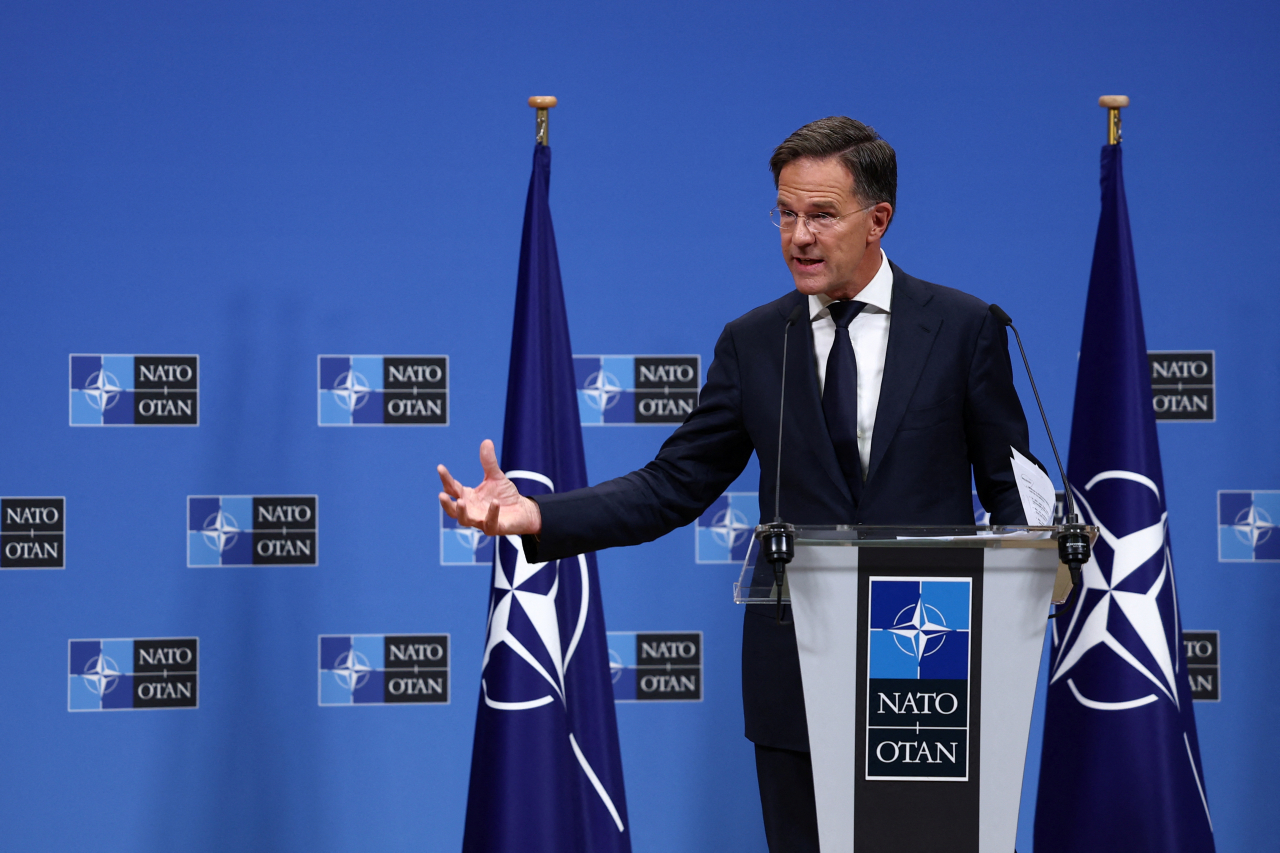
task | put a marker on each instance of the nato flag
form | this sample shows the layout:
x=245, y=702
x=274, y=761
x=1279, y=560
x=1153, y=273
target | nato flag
x=1121, y=762
x=546, y=771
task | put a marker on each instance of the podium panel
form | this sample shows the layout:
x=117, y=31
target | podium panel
x=919, y=659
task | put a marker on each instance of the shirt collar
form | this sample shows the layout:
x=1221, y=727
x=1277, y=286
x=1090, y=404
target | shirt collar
x=877, y=294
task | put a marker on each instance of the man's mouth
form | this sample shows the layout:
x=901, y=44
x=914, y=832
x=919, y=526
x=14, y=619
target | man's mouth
x=808, y=262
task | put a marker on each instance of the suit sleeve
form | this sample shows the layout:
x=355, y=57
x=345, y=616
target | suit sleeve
x=695, y=465
x=994, y=422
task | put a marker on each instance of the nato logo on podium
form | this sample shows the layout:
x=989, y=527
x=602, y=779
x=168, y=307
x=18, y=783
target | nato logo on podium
x=918, y=679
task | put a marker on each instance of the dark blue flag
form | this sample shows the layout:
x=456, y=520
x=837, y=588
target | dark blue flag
x=546, y=771
x=1121, y=763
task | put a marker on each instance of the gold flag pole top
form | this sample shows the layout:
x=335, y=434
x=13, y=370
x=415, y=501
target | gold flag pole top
x=542, y=103
x=1113, y=104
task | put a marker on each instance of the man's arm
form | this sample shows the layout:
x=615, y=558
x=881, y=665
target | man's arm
x=994, y=421
x=695, y=465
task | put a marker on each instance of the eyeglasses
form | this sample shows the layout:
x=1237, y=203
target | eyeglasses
x=818, y=223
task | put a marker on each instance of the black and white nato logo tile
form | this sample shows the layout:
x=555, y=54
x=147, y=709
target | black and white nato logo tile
x=384, y=669
x=33, y=533
x=918, y=679
x=1204, y=665
x=244, y=530
x=135, y=674
x=619, y=390
x=383, y=390
x=1182, y=385
x=135, y=390
x=656, y=666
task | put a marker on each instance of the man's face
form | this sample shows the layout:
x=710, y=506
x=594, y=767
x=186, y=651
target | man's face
x=842, y=259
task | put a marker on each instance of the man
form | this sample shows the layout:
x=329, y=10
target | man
x=898, y=392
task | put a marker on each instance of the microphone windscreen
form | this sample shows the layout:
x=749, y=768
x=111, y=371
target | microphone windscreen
x=797, y=312
x=998, y=313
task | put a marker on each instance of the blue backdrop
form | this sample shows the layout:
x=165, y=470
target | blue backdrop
x=260, y=185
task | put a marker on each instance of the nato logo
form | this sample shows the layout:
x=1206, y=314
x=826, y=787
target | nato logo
x=33, y=533
x=135, y=390
x=463, y=546
x=384, y=669
x=1247, y=527
x=724, y=532
x=240, y=530
x=918, y=679
x=131, y=675
x=636, y=389
x=1182, y=385
x=383, y=390
x=657, y=666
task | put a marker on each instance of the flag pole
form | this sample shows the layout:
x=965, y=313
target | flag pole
x=542, y=103
x=1112, y=103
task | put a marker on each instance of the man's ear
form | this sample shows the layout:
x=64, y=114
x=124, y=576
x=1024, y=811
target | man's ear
x=881, y=215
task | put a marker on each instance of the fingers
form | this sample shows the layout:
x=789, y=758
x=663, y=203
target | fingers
x=450, y=508
x=489, y=460
x=491, y=519
x=452, y=486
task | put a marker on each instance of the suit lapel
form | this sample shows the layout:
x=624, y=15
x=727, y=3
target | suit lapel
x=912, y=329
x=805, y=423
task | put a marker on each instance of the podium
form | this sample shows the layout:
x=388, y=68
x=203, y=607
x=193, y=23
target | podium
x=919, y=650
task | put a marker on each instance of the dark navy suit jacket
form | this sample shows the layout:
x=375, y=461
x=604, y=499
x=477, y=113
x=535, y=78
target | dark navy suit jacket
x=947, y=408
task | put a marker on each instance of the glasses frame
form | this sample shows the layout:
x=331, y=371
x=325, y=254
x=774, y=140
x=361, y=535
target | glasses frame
x=830, y=223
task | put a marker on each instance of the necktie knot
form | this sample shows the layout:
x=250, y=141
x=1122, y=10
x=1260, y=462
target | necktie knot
x=844, y=312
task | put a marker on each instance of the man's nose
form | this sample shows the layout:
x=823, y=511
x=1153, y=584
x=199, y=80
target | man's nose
x=802, y=234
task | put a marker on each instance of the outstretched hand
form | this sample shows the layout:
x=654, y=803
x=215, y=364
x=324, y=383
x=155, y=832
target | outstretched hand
x=495, y=506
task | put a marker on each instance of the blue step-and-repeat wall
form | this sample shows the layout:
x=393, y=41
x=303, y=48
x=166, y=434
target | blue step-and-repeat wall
x=257, y=266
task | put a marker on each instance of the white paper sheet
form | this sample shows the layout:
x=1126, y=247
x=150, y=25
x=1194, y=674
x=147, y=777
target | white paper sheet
x=1035, y=488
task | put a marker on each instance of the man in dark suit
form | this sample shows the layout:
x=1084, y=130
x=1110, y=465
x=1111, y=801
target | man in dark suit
x=898, y=393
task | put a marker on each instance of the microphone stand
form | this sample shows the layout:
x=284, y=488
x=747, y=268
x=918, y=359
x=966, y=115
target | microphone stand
x=778, y=539
x=1073, y=538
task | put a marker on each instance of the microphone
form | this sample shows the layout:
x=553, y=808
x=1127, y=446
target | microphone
x=1073, y=539
x=778, y=539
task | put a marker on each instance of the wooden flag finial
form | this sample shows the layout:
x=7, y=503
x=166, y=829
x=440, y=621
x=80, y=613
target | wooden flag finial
x=542, y=103
x=1113, y=105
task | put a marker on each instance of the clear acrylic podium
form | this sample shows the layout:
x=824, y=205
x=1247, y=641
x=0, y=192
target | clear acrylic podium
x=919, y=650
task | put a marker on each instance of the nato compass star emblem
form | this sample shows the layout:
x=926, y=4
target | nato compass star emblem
x=220, y=530
x=1120, y=606
x=470, y=537
x=916, y=632
x=101, y=674
x=102, y=389
x=351, y=669
x=1253, y=525
x=351, y=390
x=729, y=527
x=523, y=618
x=602, y=390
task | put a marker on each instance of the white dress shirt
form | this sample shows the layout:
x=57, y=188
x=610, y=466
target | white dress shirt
x=869, y=332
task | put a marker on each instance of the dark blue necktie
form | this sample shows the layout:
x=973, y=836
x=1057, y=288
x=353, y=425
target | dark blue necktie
x=840, y=396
